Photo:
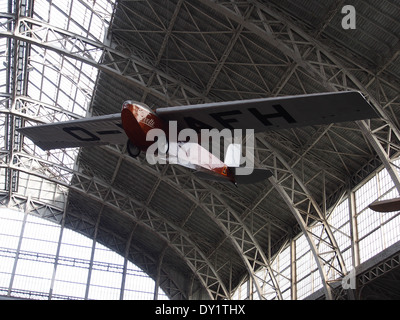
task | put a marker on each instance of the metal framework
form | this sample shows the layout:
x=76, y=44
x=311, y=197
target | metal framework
x=304, y=63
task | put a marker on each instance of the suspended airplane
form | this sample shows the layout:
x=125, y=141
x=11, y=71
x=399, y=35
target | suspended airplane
x=136, y=120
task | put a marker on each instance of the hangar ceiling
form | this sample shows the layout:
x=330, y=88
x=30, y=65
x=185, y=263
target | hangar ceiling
x=197, y=239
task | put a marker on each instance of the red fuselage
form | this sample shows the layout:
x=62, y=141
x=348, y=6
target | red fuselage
x=138, y=120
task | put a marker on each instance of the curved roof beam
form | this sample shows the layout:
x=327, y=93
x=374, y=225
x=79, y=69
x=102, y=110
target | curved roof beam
x=163, y=46
x=44, y=210
x=234, y=13
x=325, y=66
x=119, y=60
x=307, y=212
x=82, y=49
x=34, y=110
x=213, y=202
x=318, y=61
x=127, y=68
x=103, y=193
x=131, y=253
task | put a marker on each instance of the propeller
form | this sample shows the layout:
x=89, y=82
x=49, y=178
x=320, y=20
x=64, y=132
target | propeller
x=386, y=205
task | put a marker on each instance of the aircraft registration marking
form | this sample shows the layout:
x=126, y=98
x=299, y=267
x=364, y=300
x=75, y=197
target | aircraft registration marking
x=83, y=134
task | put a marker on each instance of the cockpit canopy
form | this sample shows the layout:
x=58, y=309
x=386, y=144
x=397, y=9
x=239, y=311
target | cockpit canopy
x=140, y=105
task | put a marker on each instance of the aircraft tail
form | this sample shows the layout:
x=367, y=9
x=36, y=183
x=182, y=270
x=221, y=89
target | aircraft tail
x=233, y=155
x=258, y=175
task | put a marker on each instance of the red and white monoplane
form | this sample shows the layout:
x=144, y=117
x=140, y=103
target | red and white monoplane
x=136, y=120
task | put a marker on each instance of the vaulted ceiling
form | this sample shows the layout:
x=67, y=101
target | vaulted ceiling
x=197, y=238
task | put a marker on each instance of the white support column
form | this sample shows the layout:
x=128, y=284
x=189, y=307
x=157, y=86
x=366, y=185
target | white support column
x=96, y=230
x=355, y=251
x=157, y=282
x=293, y=269
x=53, y=277
x=21, y=237
x=126, y=256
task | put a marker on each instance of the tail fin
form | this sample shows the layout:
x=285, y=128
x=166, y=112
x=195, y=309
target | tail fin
x=233, y=155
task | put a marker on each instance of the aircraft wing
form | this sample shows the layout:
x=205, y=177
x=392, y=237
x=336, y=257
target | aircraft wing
x=78, y=133
x=386, y=205
x=273, y=113
x=258, y=114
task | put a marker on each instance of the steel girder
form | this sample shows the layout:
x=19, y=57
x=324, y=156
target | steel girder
x=318, y=62
x=239, y=242
x=80, y=48
x=32, y=110
x=139, y=213
x=38, y=207
x=62, y=176
x=117, y=60
x=219, y=211
x=308, y=54
x=45, y=210
x=381, y=269
x=16, y=106
x=258, y=252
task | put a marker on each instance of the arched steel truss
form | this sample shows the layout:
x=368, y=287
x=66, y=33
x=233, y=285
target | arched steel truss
x=307, y=55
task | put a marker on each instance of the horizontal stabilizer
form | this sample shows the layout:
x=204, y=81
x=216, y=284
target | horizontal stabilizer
x=258, y=175
x=211, y=177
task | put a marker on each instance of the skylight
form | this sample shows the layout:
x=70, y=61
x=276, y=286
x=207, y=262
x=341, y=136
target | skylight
x=57, y=80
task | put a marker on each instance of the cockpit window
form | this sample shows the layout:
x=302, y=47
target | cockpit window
x=140, y=105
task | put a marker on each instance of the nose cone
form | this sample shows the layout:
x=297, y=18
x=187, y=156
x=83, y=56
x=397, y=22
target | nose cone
x=131, y=125
x=137, y=120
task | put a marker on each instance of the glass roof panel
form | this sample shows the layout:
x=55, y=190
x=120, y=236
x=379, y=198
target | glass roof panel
x=3, y=64
x=3, y=78
x=54, y=79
